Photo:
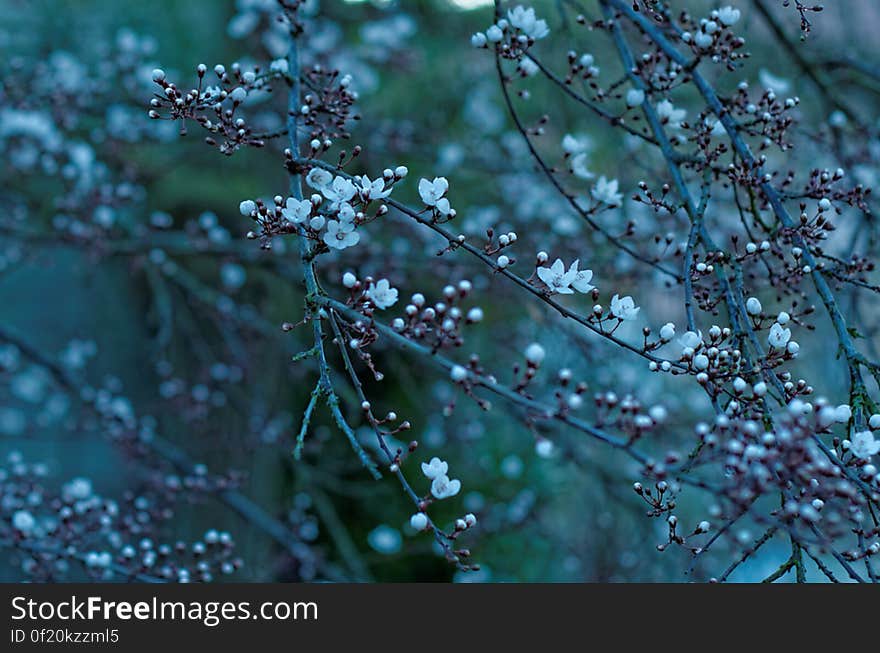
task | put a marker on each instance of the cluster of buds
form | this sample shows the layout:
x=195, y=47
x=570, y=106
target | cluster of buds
x=439, y=325
x=214, y=108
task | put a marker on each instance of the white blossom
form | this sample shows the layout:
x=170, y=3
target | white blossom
x=778, y=336
x=863, y=445
x=771, y=82
x=556, y=278
x=494, y=34
x=342, y=234
x=372, y=190
x=382, y=294
x=432, y=191
x=341, y=190
x=667, y=332
x=279, y=66
x=527, y=67
x=605, y=191
x=319, y=178
x=669, y=115
x=297, y=211
x=582, y=278
x=579, y=166
x=443, y=488
x=624, y=308
x=528, y=23
x=703, y=40
x=435, y=468
x=572, y=144
x=728, y=15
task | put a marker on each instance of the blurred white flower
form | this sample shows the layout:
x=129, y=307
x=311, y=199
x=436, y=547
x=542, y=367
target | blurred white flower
x=669, y=115
x=863, y=445
x=605, y=191
x=771, y=82
x=23, y=521
x=624, y=308
x=527, y=67
x=579, y=166
x=728, y=15
x=527, y=22
x=535, y=353
x=572, y=144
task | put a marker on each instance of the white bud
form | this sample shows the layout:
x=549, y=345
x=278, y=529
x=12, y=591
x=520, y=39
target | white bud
x=247, y=208
x=535, y=354
x=458, y=373
x=753, y=306
x=634, y=97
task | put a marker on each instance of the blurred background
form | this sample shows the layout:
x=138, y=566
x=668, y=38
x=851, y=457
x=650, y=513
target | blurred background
x=124, y=261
